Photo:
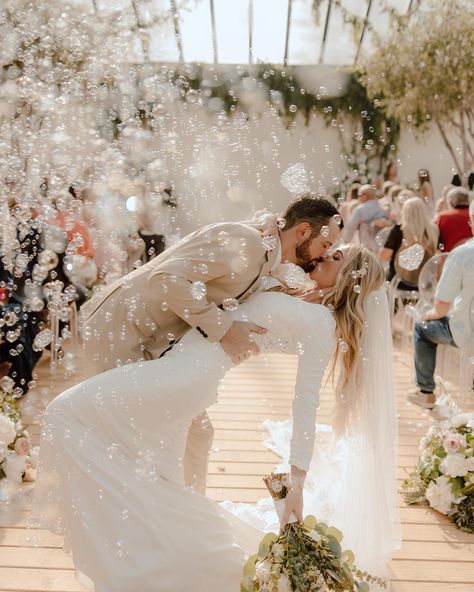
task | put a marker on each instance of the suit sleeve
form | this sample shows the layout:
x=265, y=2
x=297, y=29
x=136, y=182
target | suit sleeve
x=316, y=343
x=180, y=282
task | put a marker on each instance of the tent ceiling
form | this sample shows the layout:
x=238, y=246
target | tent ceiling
x=253, y=31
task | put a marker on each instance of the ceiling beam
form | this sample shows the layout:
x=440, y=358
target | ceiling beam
x=141, y=31
x=366, y=21
x=250, y=31
x=325, y=34
x=177, y=32
x=287, y=36
x=214, y=32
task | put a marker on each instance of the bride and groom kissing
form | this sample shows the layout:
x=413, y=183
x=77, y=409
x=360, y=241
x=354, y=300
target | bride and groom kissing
x=118, y=448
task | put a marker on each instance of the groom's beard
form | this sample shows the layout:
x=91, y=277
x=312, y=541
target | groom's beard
x=303, y=256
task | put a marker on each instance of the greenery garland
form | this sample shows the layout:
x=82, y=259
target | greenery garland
x=372, y=135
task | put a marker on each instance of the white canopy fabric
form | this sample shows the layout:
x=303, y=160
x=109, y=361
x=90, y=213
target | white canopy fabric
x=254, y=31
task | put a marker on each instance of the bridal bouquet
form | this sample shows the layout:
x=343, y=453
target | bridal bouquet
x=444, y=475
x=303, y=557
x=16, y=456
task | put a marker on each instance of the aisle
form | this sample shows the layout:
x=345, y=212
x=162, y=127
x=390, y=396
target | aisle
x=435, y=557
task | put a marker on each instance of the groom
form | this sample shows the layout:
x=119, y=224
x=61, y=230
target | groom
x=194, y=284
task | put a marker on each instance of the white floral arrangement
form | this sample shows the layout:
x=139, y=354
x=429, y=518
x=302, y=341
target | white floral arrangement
x=17, y=457
x=444, y=475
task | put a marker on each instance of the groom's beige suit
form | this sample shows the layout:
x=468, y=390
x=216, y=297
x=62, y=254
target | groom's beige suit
x=144, y=313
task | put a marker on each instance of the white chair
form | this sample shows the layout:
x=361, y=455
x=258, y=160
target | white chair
x=427, y=281
x=382, y=235
x=466, y=375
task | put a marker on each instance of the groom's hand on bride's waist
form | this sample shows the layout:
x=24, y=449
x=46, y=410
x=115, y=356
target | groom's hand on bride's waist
x=238, y=343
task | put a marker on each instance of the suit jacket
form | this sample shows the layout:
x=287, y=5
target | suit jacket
x=142, y=314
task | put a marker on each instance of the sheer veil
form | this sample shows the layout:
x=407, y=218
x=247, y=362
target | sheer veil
x=351, y=483
x=368, y=495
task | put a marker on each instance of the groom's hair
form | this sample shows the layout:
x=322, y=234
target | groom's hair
x=309, y=208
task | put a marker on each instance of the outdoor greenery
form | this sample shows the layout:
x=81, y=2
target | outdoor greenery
x=423, y=73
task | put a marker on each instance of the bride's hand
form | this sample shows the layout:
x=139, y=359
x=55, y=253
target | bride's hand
x=293, y=505
x=294, y=498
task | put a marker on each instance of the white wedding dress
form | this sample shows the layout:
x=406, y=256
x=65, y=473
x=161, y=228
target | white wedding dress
x=111, y=476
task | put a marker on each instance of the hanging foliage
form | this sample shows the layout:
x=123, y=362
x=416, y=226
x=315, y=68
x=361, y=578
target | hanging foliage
x=423, y=73
x=366, y=133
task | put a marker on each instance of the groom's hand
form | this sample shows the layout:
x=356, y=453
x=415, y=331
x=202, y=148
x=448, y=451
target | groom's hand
x=238, y=343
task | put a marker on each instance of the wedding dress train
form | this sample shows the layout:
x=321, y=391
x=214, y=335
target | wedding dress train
x=110, y=473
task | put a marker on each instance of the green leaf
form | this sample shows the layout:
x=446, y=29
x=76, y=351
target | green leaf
x=334, y=545
x=249, y=567
x=337, y=534
x=348, y=556
x=362, y=587
x=310, y=521
x=441, y=452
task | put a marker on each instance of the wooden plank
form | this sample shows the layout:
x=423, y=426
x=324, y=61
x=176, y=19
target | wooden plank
x=404, y=586
x=435, y=551
x=35, y=557
x=25, y=537
x=20, y=579
x=433, y=571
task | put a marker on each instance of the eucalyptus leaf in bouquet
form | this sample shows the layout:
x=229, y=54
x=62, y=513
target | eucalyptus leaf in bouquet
x=305, y=556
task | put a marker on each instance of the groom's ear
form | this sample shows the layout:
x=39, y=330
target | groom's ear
x=303, y=231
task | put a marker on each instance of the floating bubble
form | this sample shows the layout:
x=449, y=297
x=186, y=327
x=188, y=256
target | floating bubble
x=42, y=340
x=343, y=347
x=198, y=290
x=295, y=179
x=269, y=242
x=230, y=304
x=411, y=258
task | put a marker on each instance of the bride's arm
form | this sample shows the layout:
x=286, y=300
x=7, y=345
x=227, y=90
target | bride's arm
x=315, y=334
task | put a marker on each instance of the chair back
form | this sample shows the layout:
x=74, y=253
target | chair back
x=429, y=276
x=382, y=235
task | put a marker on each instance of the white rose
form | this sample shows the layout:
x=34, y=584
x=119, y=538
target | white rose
x=263, y=571
x=7, y=430
x=284, y=583
x=470, y=424
x=439, y=495
x=455, y=465
x=460, y=419
x=278, y=551
x=14, y=466
x=470, y=463
x=7, y=384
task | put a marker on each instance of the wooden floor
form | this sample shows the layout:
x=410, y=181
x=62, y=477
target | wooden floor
x=435, y=556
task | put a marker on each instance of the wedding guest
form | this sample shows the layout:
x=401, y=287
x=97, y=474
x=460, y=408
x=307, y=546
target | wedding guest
x=454, y=223
x=456, y=181
x=442, y=204
x=385, y=202
x=415, y=227
x=426, y=190
x=362, y=217
x=352, y=201
x=455, y=293
x=390, y=174
x=18, y=328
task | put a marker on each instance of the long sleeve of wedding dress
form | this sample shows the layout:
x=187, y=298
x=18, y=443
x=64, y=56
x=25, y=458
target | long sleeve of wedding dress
x=110, y=473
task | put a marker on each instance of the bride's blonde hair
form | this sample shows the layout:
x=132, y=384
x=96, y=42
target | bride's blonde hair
x=360, y=274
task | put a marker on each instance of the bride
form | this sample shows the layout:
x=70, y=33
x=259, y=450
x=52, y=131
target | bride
x=110, y=473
